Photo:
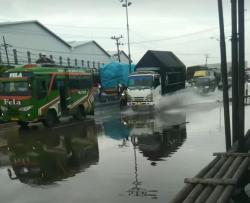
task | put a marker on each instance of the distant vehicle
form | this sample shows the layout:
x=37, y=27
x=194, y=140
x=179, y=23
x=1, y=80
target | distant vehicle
x=204, y=81
x=192, y=69
x=201, y=73
x=205, y=84
x=33, y=93
x=113, y=79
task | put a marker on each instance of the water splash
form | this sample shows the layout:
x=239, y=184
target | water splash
x=188, y=100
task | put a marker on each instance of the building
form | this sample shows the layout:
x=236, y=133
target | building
x=26, y=41
x=91, y=51
x=123, y=56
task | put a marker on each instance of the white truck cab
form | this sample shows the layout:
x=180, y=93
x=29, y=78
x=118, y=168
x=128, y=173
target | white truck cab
x=144, y=89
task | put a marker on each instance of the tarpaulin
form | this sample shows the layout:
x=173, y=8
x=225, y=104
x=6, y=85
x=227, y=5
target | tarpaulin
x=114, y=73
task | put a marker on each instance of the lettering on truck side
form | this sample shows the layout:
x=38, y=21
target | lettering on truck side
x=12, y=102
x=15, y=75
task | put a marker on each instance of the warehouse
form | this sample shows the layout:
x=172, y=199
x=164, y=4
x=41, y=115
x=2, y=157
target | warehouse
x=26, y=41
x=123, y=56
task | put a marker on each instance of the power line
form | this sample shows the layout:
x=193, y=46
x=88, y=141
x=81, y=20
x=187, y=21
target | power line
x=174, y=37
x=84, y=27
x=180, y=36
x=104, y=37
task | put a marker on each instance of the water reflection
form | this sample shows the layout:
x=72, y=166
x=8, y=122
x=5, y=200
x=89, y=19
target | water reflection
x=137, y=189
x=44, y=156
x=156, y=136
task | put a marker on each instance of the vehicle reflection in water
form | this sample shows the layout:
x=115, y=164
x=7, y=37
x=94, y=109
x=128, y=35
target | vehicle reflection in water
x=115, y=129
x=156, y=137
x=44, y=156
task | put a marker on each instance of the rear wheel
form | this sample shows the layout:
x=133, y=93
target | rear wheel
x=50, y=119
x=80, y=113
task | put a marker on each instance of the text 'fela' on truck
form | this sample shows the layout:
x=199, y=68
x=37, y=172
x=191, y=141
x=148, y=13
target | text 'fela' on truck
x=32, y=93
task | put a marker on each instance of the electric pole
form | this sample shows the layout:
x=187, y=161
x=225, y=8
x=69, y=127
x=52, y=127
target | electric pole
x=224, y=76
x=117, y=39
x=207, y=56
x=6, y=51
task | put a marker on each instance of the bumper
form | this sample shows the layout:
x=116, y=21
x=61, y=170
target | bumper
x=141, y=105
x=26, y=117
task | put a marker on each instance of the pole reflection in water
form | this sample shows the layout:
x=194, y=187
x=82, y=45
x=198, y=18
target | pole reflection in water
x=156, y=137
x=44, y=156
x=137, y=190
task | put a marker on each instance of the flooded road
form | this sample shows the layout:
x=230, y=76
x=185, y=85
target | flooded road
x=111, y=157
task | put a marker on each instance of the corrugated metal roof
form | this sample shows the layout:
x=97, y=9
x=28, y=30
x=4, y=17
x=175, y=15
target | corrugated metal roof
x=70, y=44
x=77, y=44
x=114, y=53
x=38, y=23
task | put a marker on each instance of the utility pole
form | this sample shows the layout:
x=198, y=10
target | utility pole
x=224, y=77
x=241, y=72
x=117, y=39
x=235, y=80
x=6, y=50
x=206, y=56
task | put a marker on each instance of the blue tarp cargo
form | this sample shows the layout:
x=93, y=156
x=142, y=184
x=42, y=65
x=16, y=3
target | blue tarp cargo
x=114, y=73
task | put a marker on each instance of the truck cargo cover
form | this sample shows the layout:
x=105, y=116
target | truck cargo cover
x=165, y=60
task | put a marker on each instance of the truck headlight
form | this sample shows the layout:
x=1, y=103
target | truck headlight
x=4, y=108
x=26, y=108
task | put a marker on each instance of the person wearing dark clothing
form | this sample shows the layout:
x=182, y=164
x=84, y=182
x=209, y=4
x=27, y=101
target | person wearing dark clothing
x=44, y=60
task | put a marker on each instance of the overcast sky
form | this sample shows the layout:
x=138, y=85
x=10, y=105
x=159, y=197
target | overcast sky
x=182, y=26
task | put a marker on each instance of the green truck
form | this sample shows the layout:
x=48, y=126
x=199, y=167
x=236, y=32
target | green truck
x=32, y=93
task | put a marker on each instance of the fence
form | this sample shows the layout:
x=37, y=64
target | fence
x=15, y=57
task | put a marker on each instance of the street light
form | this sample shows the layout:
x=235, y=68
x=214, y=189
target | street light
x=126, y=4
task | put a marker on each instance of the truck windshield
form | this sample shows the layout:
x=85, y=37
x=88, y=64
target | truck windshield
x=140, y=81
x=15, y=88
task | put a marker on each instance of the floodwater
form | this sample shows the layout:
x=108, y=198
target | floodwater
x=113, y=156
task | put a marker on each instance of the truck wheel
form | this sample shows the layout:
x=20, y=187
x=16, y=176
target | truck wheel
x=23, y=124
x=80, y=113
x=50, y=119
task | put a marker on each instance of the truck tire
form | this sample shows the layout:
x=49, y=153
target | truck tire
x=50, y=119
